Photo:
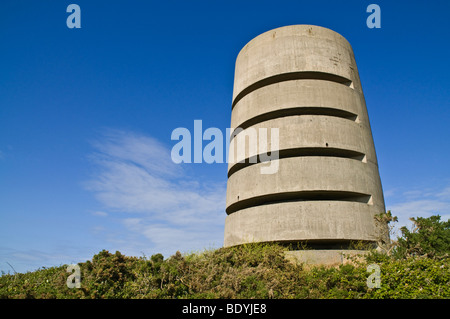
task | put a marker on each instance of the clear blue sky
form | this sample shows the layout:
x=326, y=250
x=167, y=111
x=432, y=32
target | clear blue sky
x=86, y=116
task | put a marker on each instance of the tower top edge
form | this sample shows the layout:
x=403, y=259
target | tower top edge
x=296, y=30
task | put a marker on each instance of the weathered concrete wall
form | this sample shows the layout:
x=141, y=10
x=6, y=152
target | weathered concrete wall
x=304, y=81
x=329, y=257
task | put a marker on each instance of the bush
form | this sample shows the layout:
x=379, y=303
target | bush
x=430, y=237
x=415, y=277
x=107, y=274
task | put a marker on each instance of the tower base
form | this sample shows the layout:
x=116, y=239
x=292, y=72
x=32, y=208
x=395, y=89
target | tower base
x=325, y=257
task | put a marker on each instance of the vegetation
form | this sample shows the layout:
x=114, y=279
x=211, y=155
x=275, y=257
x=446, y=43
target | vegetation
x=416, y=265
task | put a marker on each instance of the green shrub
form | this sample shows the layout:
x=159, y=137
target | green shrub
x=430, y=237
x=415, y=277
x=106, y=275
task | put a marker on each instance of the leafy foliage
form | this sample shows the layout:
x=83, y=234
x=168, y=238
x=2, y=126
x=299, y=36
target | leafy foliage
x=430, y=237
x=417, y=266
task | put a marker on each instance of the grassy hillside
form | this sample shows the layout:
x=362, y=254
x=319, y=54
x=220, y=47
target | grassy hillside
x=248, y=271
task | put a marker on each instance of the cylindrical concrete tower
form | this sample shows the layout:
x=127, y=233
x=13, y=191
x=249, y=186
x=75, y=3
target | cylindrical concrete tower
x=304, y=81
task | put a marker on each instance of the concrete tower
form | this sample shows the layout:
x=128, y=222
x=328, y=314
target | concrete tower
x=304, y=81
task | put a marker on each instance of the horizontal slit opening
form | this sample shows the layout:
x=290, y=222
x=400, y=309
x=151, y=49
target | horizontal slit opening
x=297, y=152
x=327, y=244
x=298, y=197
x=291, y=76
x=327, y=111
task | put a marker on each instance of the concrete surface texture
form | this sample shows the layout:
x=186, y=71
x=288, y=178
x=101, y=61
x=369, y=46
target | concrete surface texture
x=303, y=80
